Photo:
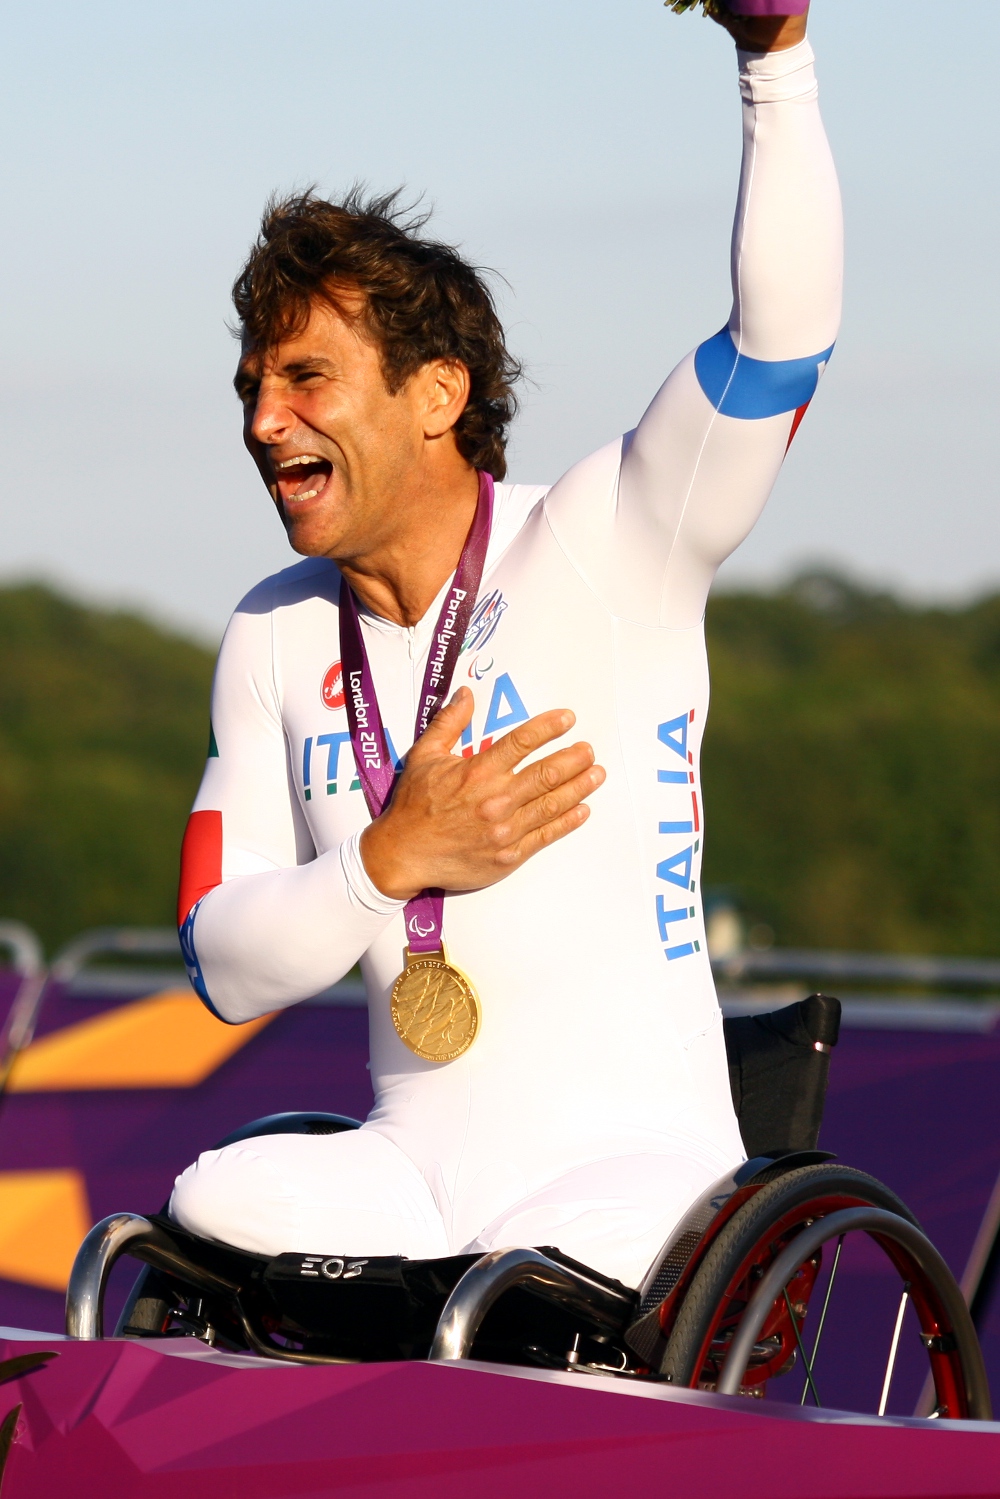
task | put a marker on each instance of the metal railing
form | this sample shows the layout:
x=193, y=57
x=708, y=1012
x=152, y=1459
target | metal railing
x=125, y=941
x=71, y=961
x=28, y=962
x=786, y=963
x=953, y=993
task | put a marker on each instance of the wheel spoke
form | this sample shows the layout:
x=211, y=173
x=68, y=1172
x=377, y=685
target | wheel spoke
x=798, y=1338
x=890, y=1366
x=810, y=1364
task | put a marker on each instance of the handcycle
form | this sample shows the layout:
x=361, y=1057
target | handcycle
x=723, y=1307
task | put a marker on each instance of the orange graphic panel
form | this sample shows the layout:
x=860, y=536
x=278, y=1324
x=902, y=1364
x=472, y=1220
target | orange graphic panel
x=166, y=1041
x=43, y=1217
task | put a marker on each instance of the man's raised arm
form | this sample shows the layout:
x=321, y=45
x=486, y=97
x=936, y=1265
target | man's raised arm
x=698, y=469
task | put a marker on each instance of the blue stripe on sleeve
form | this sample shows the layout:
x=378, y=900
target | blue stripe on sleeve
x=749, y=388
x=192, y=964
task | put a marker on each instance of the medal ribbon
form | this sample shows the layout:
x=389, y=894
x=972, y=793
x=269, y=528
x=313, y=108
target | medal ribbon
x=425, y=912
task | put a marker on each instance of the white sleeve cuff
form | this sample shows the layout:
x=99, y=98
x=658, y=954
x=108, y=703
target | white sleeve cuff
x=773, y=77
x=359, y=885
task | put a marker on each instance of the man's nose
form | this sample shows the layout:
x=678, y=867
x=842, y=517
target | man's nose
x=271, y=420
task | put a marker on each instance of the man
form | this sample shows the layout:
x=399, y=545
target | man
x=575, y=1092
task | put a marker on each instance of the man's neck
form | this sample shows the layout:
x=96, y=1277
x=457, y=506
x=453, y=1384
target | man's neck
x=400, y=578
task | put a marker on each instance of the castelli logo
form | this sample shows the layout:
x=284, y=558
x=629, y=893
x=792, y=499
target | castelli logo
x=333, y=687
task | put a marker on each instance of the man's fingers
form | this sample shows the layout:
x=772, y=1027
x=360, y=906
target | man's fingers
x=544, y=777
x=527, y=737
x=549, y=809
x=551, y=805
x=540, y=838
x=552, y=772
x=445, y=728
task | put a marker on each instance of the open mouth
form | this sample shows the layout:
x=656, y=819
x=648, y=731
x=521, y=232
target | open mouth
x=301, y=478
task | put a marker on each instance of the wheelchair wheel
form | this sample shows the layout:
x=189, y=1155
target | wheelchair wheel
x=708, y=1318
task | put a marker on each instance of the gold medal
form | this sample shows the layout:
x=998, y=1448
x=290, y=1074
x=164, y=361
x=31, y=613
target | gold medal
x=435, y=1009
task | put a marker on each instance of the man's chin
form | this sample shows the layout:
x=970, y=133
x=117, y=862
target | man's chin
x=300, y=540
x=307, y=534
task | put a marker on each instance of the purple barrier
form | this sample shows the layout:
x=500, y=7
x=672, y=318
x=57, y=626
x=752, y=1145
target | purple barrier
x=919, y=1111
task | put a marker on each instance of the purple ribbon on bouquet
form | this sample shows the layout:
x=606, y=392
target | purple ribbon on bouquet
x=424, y=914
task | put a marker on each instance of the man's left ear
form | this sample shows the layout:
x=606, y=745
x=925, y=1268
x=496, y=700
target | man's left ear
x=449, y=386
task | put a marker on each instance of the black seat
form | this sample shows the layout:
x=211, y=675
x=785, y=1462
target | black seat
x=290, y=1124
x=779, y=1066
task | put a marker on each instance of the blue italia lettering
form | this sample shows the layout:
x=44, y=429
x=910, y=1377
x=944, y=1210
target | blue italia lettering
x=676, y=868
x=333, y=743
x=683, y=951
x=674, y=734
x=666, y=919
x=506, y=708
x=307, y=767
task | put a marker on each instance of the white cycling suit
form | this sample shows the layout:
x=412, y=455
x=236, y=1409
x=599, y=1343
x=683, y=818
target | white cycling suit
x=594, y=1105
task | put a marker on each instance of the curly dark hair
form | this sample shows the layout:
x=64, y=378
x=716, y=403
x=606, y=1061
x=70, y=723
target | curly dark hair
x=422, y=301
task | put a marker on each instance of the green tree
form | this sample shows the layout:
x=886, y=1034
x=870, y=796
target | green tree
x=852, y=767
x=103, y=728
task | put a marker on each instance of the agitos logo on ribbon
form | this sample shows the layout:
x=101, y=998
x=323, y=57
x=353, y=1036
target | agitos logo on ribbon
x=333, y=687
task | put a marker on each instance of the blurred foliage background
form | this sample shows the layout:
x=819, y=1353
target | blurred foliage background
x=852, y=768
x=851, y=764
x=103, y=734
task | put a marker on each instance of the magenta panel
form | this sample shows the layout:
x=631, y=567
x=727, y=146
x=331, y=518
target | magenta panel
x=126, y=1420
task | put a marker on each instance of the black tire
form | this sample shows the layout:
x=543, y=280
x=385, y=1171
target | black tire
x=771, y=1216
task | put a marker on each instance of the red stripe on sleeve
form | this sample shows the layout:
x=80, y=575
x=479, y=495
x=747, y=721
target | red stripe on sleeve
x=201, y=860
x=796, y=423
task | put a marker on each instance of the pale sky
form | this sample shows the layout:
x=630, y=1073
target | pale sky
x=588, y=152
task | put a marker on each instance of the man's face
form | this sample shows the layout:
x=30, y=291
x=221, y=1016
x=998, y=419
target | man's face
x=330, y=441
